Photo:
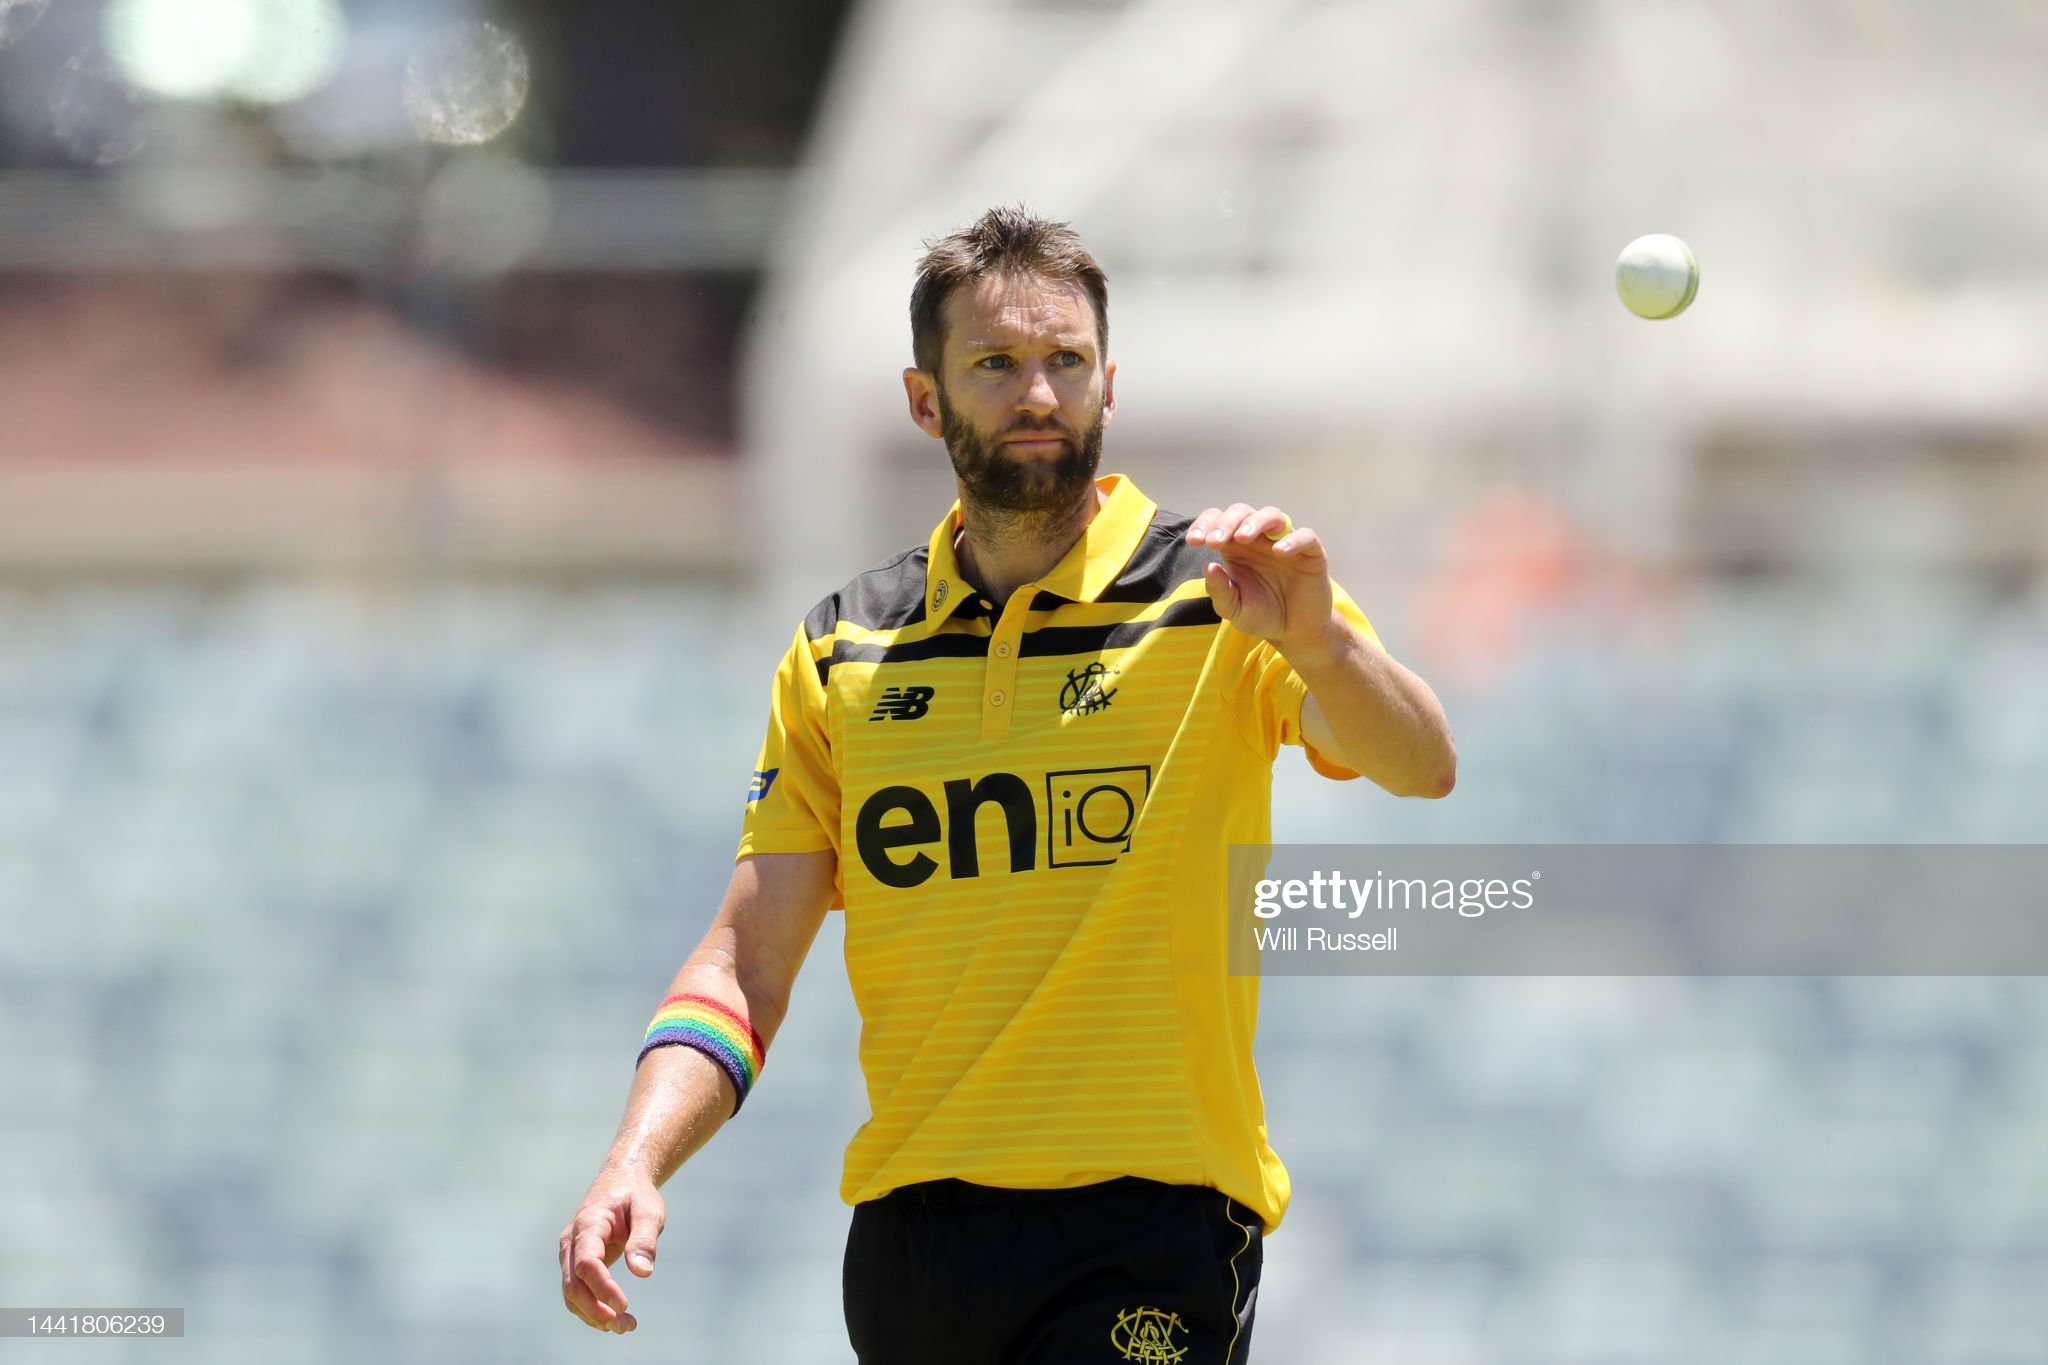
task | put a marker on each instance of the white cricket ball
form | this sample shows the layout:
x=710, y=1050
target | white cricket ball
x=1657, y=276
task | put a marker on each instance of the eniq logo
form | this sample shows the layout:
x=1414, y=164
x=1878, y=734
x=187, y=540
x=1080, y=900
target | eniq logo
x=1077, y=817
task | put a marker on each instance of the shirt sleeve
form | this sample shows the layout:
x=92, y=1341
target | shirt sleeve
x=1269, y=695
x=793, y=800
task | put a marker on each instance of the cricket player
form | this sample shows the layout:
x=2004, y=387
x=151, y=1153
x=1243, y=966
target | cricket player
x=1015, y=757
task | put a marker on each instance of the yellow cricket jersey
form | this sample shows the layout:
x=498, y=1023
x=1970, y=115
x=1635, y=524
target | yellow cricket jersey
x=1032, y=813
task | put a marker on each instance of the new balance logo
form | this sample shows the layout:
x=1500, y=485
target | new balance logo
x=903, y=703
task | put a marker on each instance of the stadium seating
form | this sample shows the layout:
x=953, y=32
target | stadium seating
x=334, y=920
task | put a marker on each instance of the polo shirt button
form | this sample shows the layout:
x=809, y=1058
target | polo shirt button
x=997, y=698
x=1003, y=650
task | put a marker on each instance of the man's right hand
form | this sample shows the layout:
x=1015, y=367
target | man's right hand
x=623, y=1212
x=680, y=1097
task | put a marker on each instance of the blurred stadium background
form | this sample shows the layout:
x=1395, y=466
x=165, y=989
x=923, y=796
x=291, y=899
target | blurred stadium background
x=396, y=395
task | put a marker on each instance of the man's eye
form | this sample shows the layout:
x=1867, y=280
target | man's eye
x=993, y=362
x=1067, y=359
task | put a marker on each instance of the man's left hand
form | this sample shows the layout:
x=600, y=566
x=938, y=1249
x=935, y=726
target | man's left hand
x=1274, y=581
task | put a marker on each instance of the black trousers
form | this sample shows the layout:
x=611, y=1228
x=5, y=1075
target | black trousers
x=948, y=1273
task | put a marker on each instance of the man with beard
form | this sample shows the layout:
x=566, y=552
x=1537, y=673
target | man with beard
x=1016, y=756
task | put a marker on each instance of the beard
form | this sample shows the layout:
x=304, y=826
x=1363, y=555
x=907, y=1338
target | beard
x=997, y=482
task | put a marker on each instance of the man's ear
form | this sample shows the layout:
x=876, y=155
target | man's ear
x=923, y=393
x=1108, y=392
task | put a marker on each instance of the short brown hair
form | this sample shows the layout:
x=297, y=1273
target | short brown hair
x=1003, y=241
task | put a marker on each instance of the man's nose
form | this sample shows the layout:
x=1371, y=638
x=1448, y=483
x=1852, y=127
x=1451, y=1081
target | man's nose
x=1038, y=394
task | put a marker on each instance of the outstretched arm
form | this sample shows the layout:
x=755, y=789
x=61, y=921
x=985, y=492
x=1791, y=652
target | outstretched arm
x=747, y=961
x=1374, y=716
x=1363, y=709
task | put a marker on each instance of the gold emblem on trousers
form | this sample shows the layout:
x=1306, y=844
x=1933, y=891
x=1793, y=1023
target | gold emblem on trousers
x=1147, y=1334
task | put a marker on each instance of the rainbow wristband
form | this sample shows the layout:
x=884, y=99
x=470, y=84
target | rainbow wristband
x=698, y=1021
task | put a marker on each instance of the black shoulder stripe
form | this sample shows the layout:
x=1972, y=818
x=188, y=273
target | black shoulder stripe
x=886, y=597
x=1062, y=640
x=1047, y=641
x=1163, y=561
x=951, y=645
x=823, y=619
x=890, y=596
